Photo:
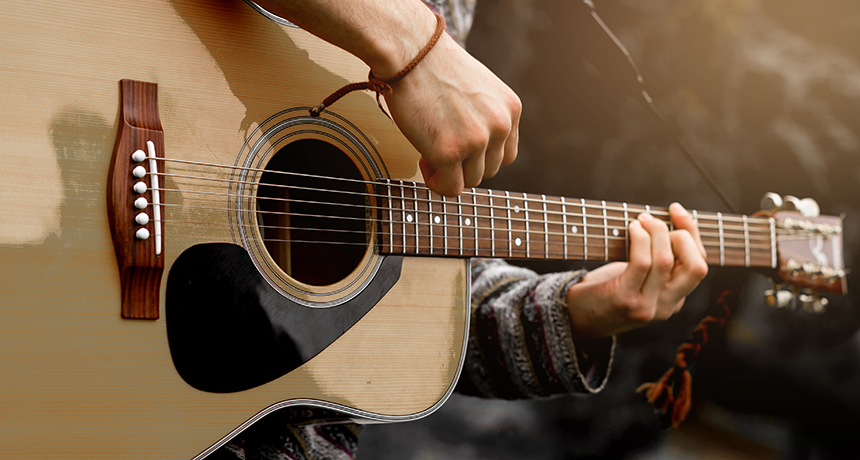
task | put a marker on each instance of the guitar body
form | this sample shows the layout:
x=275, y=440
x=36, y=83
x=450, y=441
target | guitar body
x=77, y=380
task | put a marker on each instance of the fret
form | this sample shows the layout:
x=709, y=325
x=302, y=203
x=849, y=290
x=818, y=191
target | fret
x=510, y=231
x=564, y=222
x=415, y=207
x=430, y=220
x=605, y=232
x=710, y=234
x=390, y=217
x=484, y=236
x=554, y=228
x=626, y=233
x=492, y=225
x=445, y=223
x=517, y=226
x=722, y=242
x=435, y=219
x=528, y=225
x=460, y=221
x=403, y=215
x=545, y=229
x=584, y=230
x=733, y=233
x=475, y=211
x=746, y=242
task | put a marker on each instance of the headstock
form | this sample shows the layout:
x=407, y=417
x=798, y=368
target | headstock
x=809, y=248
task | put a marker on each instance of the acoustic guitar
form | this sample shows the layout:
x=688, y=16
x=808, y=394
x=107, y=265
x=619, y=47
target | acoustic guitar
x=183, y=250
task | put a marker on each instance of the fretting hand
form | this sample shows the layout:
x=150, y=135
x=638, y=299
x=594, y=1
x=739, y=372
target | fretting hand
x=664, y=268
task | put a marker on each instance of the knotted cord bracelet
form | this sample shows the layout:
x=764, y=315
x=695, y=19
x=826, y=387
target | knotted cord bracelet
x=382, y=87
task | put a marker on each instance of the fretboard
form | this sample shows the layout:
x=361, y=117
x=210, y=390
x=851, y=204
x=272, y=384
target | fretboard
x=490, y=223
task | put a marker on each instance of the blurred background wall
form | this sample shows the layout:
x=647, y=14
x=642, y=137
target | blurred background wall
x=766, y=95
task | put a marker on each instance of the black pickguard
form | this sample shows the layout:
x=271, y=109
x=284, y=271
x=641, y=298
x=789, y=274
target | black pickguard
x=229, y=330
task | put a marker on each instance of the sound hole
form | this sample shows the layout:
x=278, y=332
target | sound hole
x=315, y=228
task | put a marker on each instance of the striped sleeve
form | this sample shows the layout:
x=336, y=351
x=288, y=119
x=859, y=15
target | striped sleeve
x=520, y=342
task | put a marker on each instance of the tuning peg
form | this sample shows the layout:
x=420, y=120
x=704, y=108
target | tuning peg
x=771, y=202
x=809, y=208
x=812, y=303
x=791, y=203
x=778, y=298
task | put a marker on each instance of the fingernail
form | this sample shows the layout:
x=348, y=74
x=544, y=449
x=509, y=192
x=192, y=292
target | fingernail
x=645, y=216
x=679, y=207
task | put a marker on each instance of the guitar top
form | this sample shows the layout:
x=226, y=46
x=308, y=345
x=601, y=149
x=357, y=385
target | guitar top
x=183, y=249
x=79, y=380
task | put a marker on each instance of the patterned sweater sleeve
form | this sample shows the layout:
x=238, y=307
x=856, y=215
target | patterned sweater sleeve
x=520, y=343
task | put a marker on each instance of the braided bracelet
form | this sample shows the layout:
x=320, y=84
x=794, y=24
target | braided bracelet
x=382, y=87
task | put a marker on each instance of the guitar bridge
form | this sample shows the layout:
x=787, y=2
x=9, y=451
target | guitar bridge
x=134, y=199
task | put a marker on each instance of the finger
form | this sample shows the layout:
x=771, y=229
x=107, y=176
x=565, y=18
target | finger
x=446, y=181
x=662, y=259
x=500, y=131
x=684, y=220
x=473, y=170
x=512, y=142
x=689, y=270
x=640, y=260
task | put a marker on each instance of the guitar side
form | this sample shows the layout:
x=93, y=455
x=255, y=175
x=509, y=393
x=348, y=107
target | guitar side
x=78, y=380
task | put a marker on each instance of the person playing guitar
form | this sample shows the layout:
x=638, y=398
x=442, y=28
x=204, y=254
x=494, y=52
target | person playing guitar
x=464, y=121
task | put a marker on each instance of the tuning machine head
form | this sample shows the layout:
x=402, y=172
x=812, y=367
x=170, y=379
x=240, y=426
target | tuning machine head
x=782, y=297
x=777, y=297
x=812, y=303
x=807, y=207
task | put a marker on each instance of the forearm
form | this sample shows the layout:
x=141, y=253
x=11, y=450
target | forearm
x=520, y=342
x=457, y=114
x=385, y=34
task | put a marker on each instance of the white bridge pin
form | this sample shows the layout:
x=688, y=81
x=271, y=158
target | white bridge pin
x=142, y=234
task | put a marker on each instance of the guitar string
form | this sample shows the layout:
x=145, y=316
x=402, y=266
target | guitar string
x=759, y=259
x=752, y=235
x=763, y=254
x=751, y=221
x=656, y=211
x=514, y=233
x=409, y=185
x=401, y=209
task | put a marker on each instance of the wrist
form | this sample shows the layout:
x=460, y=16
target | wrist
x=396, y=45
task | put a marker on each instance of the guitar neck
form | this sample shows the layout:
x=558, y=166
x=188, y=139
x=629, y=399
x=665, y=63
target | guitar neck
x=491, y=223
